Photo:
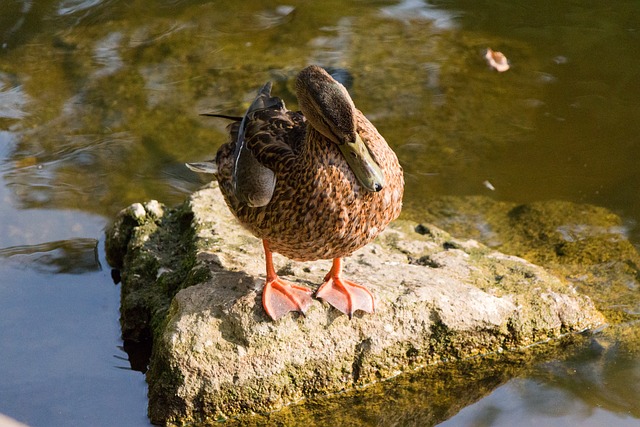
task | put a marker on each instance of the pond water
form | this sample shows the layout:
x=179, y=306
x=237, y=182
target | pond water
x=99, y=103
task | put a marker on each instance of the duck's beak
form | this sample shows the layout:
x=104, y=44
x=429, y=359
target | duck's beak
x=362, y=164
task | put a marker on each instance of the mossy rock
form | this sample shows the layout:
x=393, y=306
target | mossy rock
x=192, y=279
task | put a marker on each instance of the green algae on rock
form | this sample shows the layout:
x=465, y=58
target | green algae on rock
x=191, y=279
x=584, y=244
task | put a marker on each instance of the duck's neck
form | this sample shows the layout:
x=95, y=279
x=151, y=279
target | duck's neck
x=317, y=149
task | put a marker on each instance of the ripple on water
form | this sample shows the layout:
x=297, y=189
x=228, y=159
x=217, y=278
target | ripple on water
x=106, y=54
x=408, y=10
x=71, y=256
x=12, y=98
x=68, y=7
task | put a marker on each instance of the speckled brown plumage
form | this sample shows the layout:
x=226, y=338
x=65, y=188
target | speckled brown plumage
x=319, y=209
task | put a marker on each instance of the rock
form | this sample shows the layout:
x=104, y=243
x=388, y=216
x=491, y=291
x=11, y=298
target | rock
x=191, y=279
x=5, y=421
x=583, y=244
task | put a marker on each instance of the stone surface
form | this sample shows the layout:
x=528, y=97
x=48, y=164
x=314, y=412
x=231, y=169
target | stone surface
x=5, y=421
x=586, y=245
x=192, y=279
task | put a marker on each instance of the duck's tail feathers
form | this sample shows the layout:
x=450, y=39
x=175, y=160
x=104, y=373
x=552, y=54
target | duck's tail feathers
x=222, y=116
x=204, y=167
x=265, y=100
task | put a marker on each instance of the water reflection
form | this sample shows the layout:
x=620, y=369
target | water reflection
x=12, y=19
x=606, y=376
x=12, y=98
x=68, y=7
x=75, y=256
x=584, y=389
x=408, y=10
x=273, y=18
x=107, y=55
x=71, y=173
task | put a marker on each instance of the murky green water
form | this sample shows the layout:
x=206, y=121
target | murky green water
x=99, y=103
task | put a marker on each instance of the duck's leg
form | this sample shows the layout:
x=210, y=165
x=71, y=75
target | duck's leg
x=343, y=294
x=279, y=296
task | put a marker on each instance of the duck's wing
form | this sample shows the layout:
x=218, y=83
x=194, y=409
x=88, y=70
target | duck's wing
x=253, y=183
x=262, y=147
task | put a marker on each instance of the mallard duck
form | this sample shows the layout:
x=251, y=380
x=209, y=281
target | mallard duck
x=315, y=184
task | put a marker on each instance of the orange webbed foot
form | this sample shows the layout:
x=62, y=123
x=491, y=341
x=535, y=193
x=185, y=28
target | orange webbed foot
x=344, y=294
x=280, y=297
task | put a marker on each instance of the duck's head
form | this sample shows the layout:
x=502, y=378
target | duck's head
x=329, y=109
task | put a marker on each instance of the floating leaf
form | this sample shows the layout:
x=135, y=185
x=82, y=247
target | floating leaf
x=497, y=60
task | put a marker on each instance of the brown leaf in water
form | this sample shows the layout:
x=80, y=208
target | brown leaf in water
x=497, y=60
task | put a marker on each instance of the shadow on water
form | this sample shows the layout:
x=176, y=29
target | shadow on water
x=99, y=108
